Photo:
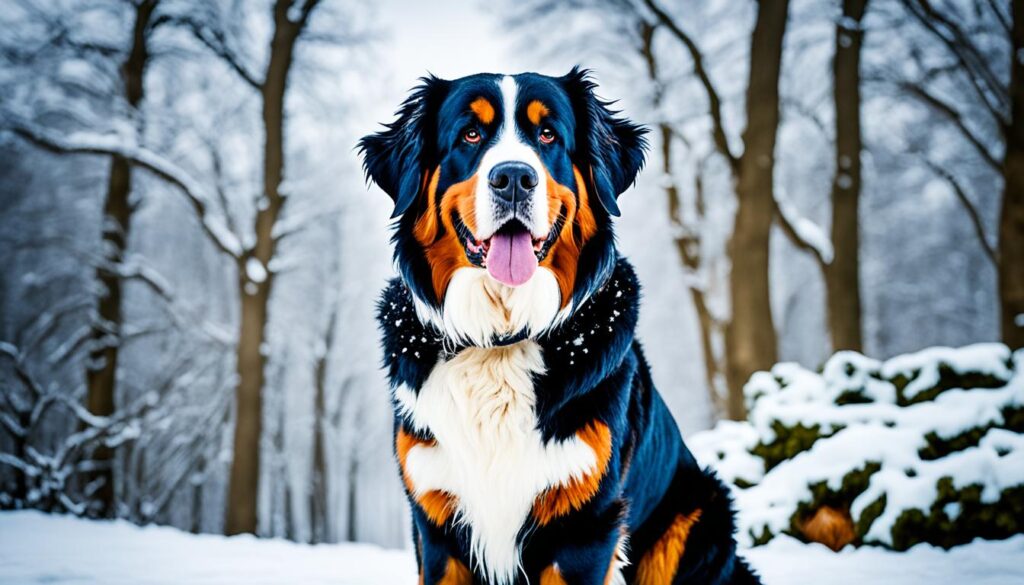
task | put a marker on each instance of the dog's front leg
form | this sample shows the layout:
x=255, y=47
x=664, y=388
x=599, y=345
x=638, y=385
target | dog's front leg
x=439, y=563
x=587, y=548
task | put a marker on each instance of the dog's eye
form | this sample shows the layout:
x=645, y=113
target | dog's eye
x=471, y=136
x=547, y=135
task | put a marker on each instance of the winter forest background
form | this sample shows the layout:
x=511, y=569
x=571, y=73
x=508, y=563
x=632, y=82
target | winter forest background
x=190, y=256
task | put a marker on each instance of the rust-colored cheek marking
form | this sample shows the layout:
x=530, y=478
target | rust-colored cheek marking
x=580, y=225
x=659, y=565
x=561, y=499
x=483, y=109
x=551, y=576
x=436, y=233
x=536, y=111
x=436, y=504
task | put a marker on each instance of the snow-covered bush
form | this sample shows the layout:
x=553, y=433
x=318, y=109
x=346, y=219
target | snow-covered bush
x=924, y=447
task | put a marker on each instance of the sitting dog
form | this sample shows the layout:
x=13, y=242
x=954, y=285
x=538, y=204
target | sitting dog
x=533, y=445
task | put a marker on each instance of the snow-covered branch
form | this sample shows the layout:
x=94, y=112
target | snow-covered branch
x=804, y=233
x=136, y=269
x=81, y=143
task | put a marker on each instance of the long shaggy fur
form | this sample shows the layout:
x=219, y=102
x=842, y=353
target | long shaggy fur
x=532, y=443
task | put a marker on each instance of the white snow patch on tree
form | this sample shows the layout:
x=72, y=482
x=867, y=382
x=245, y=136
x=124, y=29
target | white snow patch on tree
x=806, y=230
x=255, y=270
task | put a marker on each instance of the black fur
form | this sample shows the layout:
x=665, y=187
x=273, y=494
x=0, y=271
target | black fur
x=595, y=368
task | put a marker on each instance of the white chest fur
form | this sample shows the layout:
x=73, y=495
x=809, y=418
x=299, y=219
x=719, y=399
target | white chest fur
x=479, y=406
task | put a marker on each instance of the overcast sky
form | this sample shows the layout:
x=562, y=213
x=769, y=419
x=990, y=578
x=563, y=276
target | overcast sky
x=450, y=39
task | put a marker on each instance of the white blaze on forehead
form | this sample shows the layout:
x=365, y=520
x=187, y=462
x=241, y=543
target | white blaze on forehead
x=509, y=146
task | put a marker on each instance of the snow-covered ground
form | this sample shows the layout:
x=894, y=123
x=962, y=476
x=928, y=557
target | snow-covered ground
x=37, y=548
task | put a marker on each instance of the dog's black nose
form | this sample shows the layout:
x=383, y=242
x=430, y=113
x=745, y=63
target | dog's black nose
x=512, y=181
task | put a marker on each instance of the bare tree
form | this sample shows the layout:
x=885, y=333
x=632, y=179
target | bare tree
x=103, y=345
x=998, y=102
x=254, y=278
x=687, y=232
x=842, y=276
x=101, y=371
x=47, y=480
x=63, y=477
x=750, y=339
x=1011, y=222
x=749, y=333
x=318, y=497
x=253, y=260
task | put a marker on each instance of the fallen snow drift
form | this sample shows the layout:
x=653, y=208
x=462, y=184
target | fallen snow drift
x=39, y=548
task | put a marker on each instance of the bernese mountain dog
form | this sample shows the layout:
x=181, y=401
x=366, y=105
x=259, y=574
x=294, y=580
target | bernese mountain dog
x=532, y=443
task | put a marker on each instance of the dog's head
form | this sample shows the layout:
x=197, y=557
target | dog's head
x=503, y=187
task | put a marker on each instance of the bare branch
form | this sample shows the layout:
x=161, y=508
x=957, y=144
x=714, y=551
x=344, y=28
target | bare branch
x=136, y=270
x=218, y=177
x=807, y=112
x=215, y=40
x=798, y=230
x=972, y=211
x=1004, y=21
x=212, y=225
x=955, y=117
x=967, y=54
x=714, y=101
x=17, y=358
x=307, y=8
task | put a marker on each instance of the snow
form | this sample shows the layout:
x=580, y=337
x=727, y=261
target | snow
x=879, y=432
x=787, y=561
x=999, y=457
x=255, y=270
x=925, y=281
x=127, y=147
x=985, y=358
x=727, y=447
x=40, y=548
x=37, y=548
x=808, y=231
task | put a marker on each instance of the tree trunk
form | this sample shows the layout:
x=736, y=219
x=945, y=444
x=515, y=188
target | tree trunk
x=352, y=532
x=101, y=373
x=842, y=276
x=319, y=492
x=750, y=341
x=255, y=285
x=688, y=240
x=1011, y=220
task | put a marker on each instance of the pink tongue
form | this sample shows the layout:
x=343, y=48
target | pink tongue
x=511, y=259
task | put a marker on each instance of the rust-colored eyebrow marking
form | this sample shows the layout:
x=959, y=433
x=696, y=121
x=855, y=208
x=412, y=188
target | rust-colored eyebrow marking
x=483, y=110
x=535, y=111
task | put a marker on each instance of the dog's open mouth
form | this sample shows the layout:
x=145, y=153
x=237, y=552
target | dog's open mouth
x=512, y=254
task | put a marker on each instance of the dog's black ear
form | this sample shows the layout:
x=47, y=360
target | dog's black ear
x=613, y=148
x=397, y=157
